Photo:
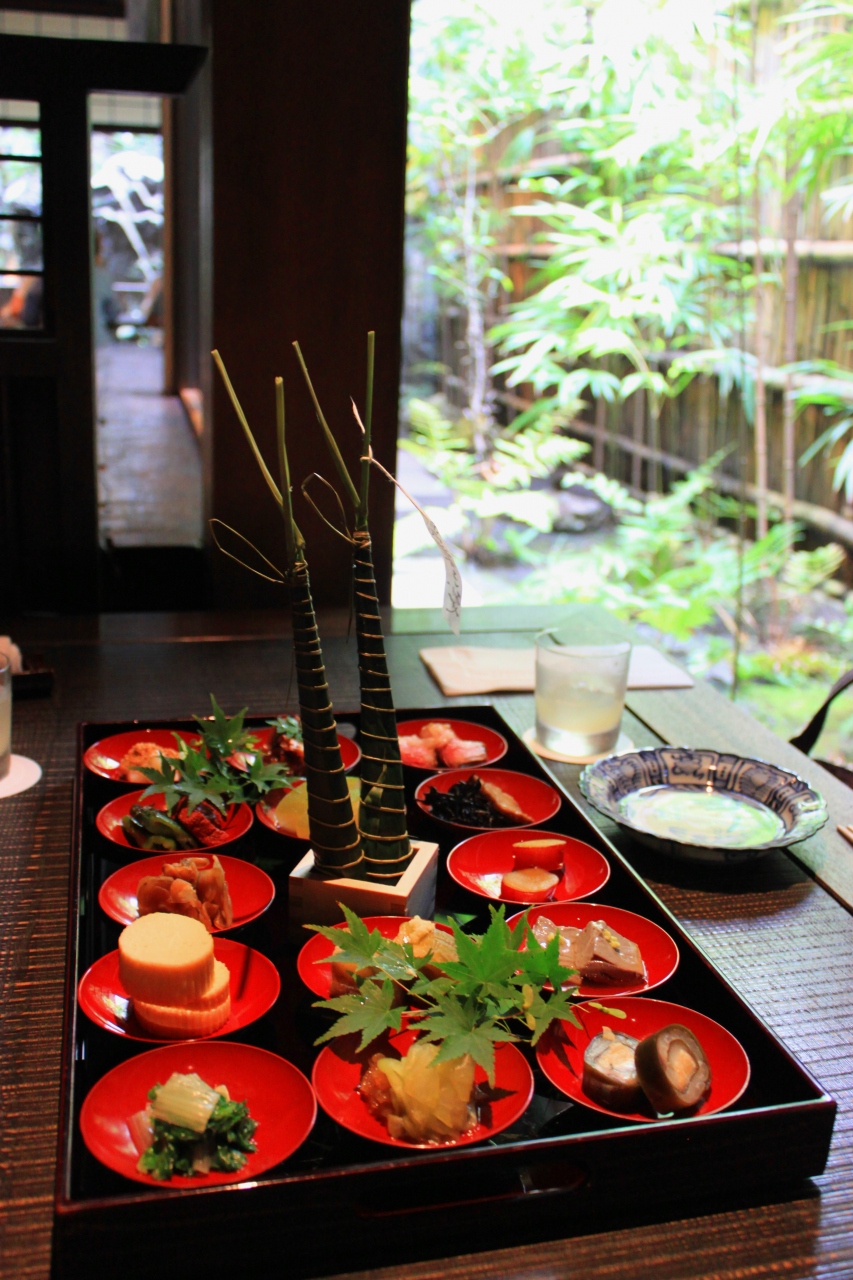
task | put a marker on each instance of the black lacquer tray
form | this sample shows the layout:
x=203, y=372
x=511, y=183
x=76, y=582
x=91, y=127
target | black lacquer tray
x=341, y=1203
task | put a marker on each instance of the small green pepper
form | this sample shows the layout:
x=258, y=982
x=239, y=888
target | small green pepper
x=157, y=823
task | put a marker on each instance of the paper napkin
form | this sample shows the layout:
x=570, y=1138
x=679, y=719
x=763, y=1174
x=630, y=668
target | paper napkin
x=460, y=669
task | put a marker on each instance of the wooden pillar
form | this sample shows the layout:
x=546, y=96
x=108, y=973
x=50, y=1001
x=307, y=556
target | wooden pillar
x=309, y=142
x=68, y=304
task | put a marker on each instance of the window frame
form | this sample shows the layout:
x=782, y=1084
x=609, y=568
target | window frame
x=12, y=333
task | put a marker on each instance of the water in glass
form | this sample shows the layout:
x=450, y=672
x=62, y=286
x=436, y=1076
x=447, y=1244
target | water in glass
x=580, y=695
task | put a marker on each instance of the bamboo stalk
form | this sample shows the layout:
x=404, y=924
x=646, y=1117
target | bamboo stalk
x=335, y=838
x=789, y=407
x=636, y=465
x=600, y=433
x=345, y=476
x=273, y=487
x=760, y=390
x=361, y=522
x=382, y=815
x=382, y=812
x=333, y=831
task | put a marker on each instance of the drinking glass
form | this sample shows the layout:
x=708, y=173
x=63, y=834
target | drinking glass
x=580, y=693
x=5, y=715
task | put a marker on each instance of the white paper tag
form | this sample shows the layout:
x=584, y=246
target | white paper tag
x=452, y=606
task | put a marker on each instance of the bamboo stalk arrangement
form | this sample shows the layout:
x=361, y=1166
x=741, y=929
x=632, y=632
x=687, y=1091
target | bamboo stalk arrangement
x=382, y=812
x=335, y=838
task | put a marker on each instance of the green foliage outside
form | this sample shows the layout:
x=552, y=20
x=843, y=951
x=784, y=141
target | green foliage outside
x=664, y=138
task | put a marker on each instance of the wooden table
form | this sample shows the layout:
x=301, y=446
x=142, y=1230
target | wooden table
x=784, y=942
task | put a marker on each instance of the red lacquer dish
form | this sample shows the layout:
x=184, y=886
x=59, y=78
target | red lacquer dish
x=495, y=743
x=560, y=1053
x=109, y=819
x=480, y=863
x=337, y=1074
x=659, y=952
x=317, y=976
x=537, y=800
x=278, y=1096
x=104, y=758
x=255, y=987
x=250, y=888
x=350, y=751
x=296, y=825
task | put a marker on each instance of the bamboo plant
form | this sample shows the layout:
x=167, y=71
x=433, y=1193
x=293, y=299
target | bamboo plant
x=382, y=812
x=334, y=834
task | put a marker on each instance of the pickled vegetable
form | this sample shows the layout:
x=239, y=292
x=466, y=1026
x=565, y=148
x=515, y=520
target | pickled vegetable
x=419, y=1100
x=529, y=884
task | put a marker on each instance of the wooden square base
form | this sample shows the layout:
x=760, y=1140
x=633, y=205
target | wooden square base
x=314, y=900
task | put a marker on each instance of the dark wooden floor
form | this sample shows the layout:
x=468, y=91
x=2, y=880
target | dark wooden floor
x=149, y=464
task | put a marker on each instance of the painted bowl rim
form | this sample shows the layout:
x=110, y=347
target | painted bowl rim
x=805, y=826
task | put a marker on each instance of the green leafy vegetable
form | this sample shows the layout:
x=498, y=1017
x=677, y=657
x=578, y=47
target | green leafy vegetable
x=224, y=1145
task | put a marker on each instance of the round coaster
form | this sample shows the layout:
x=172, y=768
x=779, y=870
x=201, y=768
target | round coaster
x=623, y=743
x=23, y=774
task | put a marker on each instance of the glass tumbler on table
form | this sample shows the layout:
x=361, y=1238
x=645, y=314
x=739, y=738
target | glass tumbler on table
x=5, y=715
x=580, y=694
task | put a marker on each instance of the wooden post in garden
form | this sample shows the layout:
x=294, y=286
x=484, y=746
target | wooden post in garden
x=636, y=461
x=760, y=443
x=760, y=391
x=791, y=270
x=600, y=433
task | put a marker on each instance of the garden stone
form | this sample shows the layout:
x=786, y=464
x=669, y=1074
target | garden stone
x=581, y=509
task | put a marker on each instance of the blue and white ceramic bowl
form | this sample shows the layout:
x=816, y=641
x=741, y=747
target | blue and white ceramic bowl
x=706, y=806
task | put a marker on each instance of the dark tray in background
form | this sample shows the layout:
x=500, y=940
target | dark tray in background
x=341, y=1203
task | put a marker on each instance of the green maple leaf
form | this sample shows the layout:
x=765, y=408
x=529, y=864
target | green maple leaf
x=485, y=964
x=470, y=1004
x=368, y=1011
x=540, y=964
x=193, y=777
x=367, y=948
x=287, y=727
x=459, y=1027
x=539, y=1013
x=223, y=736
x=257, y=778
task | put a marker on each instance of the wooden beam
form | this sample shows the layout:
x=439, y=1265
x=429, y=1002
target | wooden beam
x=816, y=250
x=74, y=8
x=815, y=517
x=32, y=66
x=829, y=251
